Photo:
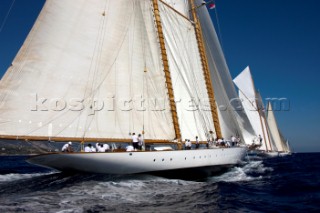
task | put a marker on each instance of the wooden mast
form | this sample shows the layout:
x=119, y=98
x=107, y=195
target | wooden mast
x=256, y=106
x=206, y=70
x=266, y=125
x=166, y=70
x=261, y=122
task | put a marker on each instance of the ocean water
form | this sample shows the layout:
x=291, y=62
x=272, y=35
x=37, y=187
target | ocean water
x=284, y=184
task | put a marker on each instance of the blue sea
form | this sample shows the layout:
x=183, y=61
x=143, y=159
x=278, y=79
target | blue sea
x=283, y=184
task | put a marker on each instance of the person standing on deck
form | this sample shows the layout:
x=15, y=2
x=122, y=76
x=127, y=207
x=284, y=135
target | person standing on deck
x=135, y=141
x=260, y=140
x=140, y=142
x=197, y=143
x=187, y=144
x=233, y=140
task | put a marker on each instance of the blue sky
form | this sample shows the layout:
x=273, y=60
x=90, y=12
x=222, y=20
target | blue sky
x=279, y=39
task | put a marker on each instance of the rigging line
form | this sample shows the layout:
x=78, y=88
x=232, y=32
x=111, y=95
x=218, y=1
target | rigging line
x=219, y=29
x=131, y=39
x=220, y=82
x=7, y=15
x=95, y=51
x=200, y=92
x=95, y=63
x=187, y=78
x=192, y=78
x=145, y=69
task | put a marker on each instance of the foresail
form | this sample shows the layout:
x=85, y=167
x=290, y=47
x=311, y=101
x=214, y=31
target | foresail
x=195, y=118
x=88, y=69
x=233, y=121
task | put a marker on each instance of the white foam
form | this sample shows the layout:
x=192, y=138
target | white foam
x=238, y=174
x=14, y=176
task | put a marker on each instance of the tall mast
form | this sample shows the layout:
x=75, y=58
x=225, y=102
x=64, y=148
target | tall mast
x=166, y=70
x=265, y=123
x=206, y=70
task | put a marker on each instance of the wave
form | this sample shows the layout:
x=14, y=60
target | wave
x=16, y=176
x=250, y=171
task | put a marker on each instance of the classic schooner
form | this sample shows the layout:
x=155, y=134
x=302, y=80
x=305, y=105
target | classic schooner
x=281, y=145
x=264, y=124
x=97, y=71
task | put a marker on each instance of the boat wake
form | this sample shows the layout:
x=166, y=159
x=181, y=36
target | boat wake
x=15, y=176
x=98, y=192
x=253, y=170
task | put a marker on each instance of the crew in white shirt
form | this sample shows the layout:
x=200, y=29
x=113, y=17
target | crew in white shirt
x=67, y=147
x=106, y=147
x=88, y=148
x=93, y=149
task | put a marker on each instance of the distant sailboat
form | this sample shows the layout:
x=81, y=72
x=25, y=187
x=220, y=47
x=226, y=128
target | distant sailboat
x=253, y=107
x=281, y=144
x=95, y=71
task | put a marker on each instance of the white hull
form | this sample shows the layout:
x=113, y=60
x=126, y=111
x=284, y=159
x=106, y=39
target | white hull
x=284, y=153
x=271, y=154
x=139, y=162
x=265, y=154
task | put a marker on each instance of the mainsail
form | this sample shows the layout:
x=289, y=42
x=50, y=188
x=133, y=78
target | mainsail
x=75, y=78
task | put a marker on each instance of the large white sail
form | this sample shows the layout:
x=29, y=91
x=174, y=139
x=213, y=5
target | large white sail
x=232, y=122
x=247, y=93
x=190, y=91
x=74, y=77
x=274, y=130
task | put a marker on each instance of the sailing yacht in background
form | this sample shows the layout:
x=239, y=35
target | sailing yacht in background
x=105, y=69
x=281, y=144
x=253, y=107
